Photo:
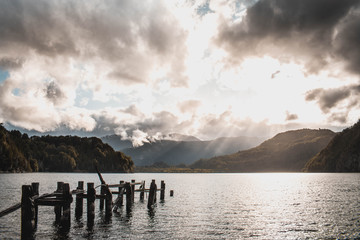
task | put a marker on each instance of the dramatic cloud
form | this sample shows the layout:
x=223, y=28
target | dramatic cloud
x=10, y=63
x=333, y=100
x=127, y=40
x=205, y=68
x=302, y=31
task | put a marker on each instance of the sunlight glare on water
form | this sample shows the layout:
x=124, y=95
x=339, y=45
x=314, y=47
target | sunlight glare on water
x=207, y=206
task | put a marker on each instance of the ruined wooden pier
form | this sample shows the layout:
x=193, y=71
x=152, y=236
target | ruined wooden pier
x=62, y=199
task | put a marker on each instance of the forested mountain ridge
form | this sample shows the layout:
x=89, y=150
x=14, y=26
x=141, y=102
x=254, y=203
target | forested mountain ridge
x=288, y=151
x=342, y=154
x=21, y=153
x=175, y=153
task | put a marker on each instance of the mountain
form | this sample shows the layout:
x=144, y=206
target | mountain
x=19, y=153
x=341, y=155
x=186, y=152
x=181, y=137
x=288, y=151
x=119, y=144
x=116, y=142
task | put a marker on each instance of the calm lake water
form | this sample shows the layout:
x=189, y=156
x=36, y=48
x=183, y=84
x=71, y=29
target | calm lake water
x=206, y=206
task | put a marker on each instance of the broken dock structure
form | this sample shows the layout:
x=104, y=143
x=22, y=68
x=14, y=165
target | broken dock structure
x=111, y=198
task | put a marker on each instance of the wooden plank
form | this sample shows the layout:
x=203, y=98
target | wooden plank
x=99, y=174
x=10, y=209
x=50, y=202
x=143, y=190
x=123, y=184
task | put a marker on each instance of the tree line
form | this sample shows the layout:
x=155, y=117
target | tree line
x=21, y=153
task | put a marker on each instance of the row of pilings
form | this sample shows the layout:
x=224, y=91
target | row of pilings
x=62, y=199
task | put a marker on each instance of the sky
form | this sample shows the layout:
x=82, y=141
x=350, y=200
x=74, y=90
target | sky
x=146, y=69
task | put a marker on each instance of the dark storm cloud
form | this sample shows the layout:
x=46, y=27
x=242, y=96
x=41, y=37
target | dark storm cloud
x=296, y=30
x=54, y=93
x=329, y=100
x=347, y=41
x=34, y=25
x=10, y=63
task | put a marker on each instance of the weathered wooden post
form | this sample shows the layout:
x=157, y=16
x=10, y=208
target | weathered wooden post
x=121, y=194
x=79, y=200
x=128, y=195
x=58, y=208
x=133, y=190
x=27, y=213
x=66, y=217
x=102, y=193
x=155, y=192
x=152, y=194
x=142, y=193
x=91, y=196
x=119, y=200
x=108, y=202
x=35, y=189
x=162, y=191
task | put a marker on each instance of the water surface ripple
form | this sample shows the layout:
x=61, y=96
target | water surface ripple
x=206, y=206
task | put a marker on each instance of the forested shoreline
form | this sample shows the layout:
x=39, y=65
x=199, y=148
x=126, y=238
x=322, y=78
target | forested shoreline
x=21, y=153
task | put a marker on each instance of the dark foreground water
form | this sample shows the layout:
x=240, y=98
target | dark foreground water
x=206, y=206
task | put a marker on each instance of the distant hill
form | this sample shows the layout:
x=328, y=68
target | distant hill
x=116, y=142
x=19, y=153
x=119, y=144
x=175, y=153
x=181, y=137
x=341, y=155
x=288, y=151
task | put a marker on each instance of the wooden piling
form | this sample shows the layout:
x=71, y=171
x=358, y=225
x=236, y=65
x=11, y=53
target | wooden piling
x=119, y=200
x=162, y=191
x=108, y=202
x=79, y=201
x=91, y=195
x=66, y=216
x=27, y=213
x=35, y=189
x=152, y=194
x=61, y=200
x=121, y=194
x=58, y=208
x=102, y=193
x=142, y=193
x=133, y=190
x=128, y=190
x=155, y=192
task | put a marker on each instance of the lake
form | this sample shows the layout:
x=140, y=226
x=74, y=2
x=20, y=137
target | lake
x=206, y=206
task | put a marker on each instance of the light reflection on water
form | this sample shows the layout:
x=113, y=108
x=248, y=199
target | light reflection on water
x=206, y=206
